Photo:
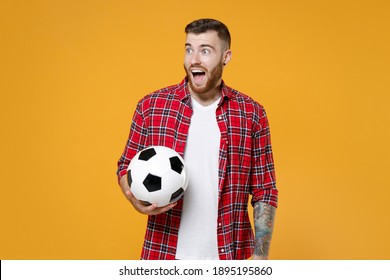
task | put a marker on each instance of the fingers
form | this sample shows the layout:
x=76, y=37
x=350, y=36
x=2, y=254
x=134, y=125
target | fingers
x=154, y=210
x=147, y=209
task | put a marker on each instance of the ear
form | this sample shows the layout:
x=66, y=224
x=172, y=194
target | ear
x=227, y=56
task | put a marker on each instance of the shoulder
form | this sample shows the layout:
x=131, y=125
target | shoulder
x=173, y=91
x=246, y=103
x=162, y=96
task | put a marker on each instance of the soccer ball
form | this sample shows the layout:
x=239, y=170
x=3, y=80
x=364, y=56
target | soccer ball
x=157, y=174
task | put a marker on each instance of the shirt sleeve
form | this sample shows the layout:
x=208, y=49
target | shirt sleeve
x=136, y=140
x=263, y=181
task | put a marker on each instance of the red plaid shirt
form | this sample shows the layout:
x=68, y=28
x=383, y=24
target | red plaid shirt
x=245, y=165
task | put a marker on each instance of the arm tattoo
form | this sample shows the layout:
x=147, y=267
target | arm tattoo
x=264, y=216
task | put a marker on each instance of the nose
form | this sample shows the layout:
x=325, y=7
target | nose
x=195, y=58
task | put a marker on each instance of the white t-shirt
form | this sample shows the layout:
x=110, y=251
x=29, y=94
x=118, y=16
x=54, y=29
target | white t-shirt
x=198, y=226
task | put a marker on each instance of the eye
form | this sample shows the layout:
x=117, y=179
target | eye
x=206, y=51
x=189, y=51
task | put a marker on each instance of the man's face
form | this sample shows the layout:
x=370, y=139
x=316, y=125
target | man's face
x=205, y=55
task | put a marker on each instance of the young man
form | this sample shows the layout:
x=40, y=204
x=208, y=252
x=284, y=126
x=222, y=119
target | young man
x=224, y=138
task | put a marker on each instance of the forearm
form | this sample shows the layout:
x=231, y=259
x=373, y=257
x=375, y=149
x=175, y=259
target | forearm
x=264, y=217
x=124, y=184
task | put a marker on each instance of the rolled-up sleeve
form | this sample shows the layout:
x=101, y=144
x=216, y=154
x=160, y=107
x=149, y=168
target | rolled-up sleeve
x=263, y=180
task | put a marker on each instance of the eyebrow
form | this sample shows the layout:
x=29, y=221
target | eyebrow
x=202, y=46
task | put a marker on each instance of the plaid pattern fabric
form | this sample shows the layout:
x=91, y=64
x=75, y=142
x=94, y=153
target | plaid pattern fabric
x=245, y=165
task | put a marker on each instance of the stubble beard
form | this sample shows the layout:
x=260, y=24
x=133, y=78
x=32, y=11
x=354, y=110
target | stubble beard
x=213, y=79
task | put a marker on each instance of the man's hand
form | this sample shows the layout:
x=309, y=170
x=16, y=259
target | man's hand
x=139, y=206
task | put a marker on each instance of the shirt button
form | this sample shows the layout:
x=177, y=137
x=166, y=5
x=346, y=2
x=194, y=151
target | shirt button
x=220, y=224
x=220, y=117
x=222, y=250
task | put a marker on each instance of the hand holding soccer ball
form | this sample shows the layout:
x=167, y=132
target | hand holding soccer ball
x=156, y=175
x=139, y=206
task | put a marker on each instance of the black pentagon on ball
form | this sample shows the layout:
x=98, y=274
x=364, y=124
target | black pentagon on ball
x=129, y=179
x=147, y=154
x=152, y=183
x=176, y=195
x=176, y=164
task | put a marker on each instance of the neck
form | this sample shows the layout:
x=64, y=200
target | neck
x=208, y=97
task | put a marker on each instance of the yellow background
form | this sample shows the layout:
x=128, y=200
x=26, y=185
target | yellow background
x=71, y=73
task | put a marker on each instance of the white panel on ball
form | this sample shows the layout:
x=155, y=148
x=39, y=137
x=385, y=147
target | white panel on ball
x=157, y=174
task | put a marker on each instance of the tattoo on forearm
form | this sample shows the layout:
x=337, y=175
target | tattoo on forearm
x=264, y=216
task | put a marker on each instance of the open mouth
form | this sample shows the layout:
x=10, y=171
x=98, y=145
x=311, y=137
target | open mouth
x=198, y=75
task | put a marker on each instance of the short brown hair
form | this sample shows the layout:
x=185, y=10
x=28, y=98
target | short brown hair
x=203, y=25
